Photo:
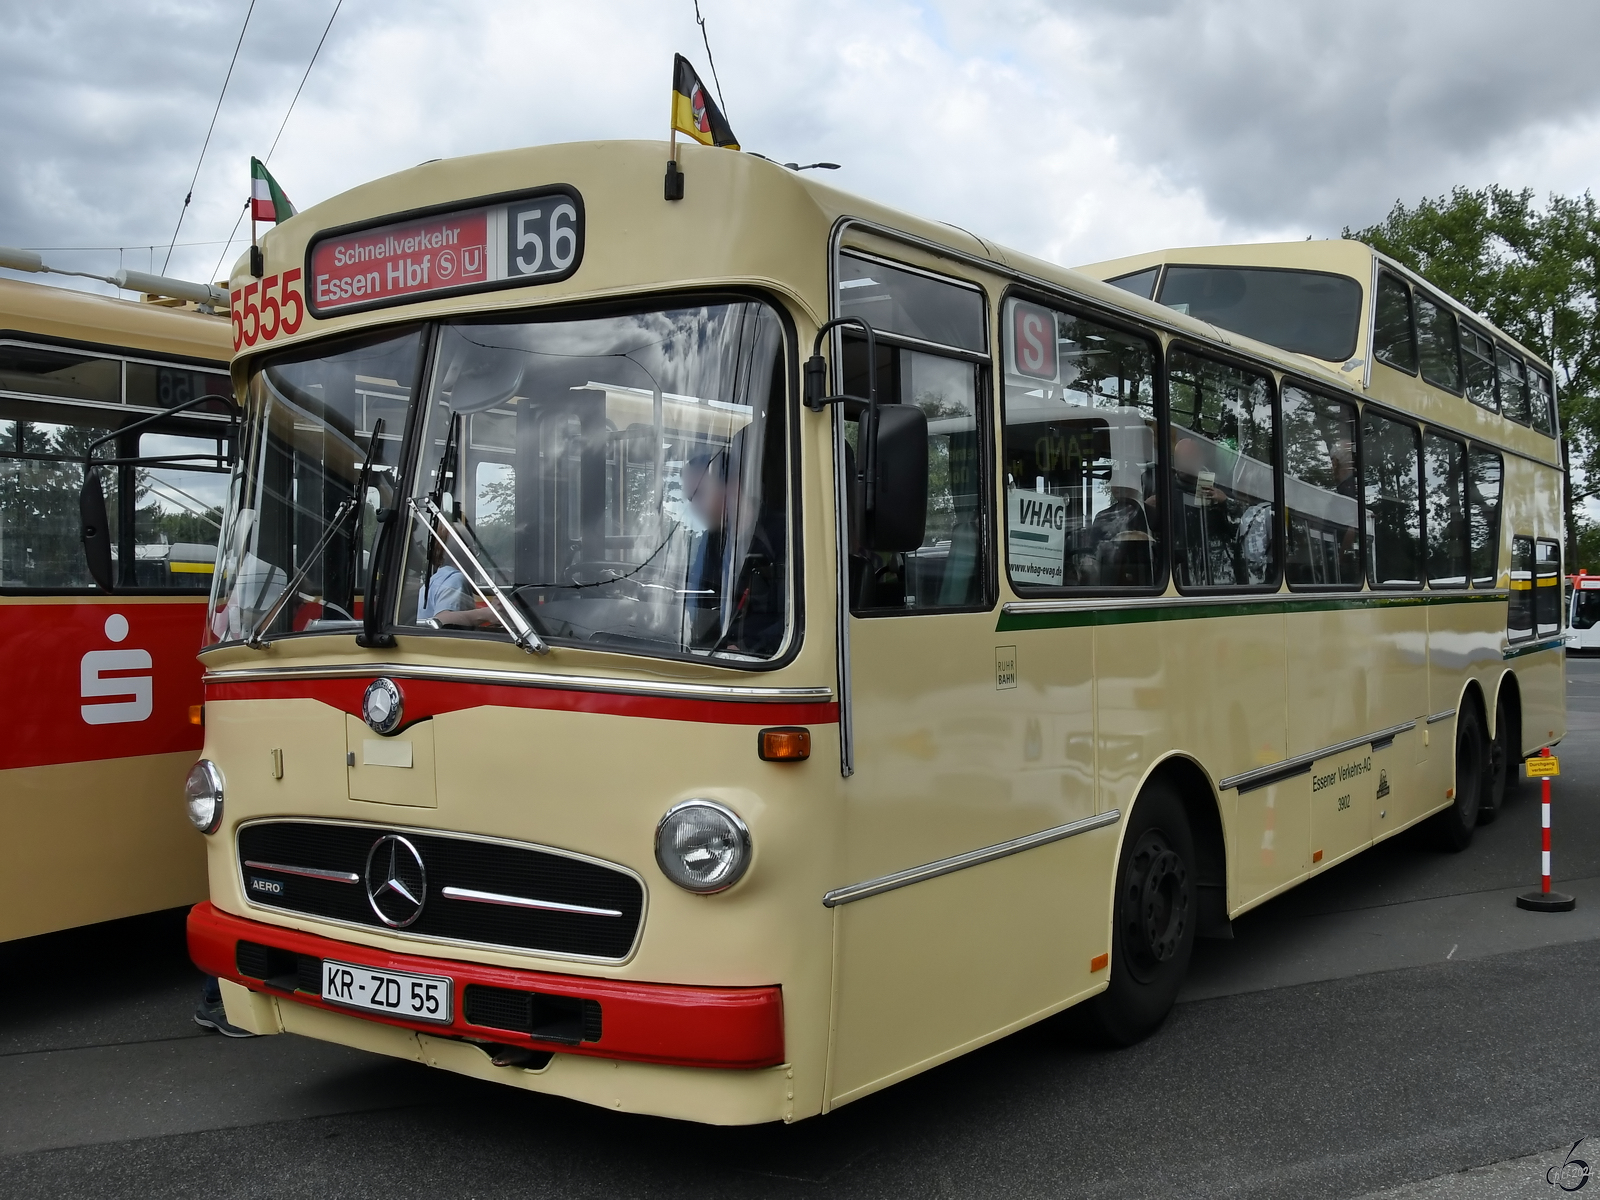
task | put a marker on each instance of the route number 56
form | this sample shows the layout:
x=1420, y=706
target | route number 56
x=541, y=244
x=261, y=311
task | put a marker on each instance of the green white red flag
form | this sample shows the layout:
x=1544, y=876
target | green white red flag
x=267, y=201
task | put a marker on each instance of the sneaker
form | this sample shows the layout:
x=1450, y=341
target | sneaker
x=211, y=1015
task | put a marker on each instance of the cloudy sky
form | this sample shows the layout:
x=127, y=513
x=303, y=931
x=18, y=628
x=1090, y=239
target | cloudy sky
x=1076, y=130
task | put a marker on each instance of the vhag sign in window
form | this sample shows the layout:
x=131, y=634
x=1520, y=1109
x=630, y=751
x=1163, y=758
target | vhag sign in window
x=530, y=238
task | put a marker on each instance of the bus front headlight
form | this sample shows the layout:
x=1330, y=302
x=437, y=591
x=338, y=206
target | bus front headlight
x=203, y=793
x=702, y=846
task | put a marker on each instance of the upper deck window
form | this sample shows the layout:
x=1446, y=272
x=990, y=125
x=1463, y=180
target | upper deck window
x=1306, y=312
x=1140, y=283
x=1477, y=360
x=896, y=300
x=1541, y=402
x=1513, y=385
x=1438, y=344
x=1394, y=336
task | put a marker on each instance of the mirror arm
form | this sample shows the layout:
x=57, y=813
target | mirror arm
x=816, y=374
x=432, y=519
x=88, y=455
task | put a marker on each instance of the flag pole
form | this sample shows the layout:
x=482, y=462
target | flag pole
x=258, y=268
x=674, y=184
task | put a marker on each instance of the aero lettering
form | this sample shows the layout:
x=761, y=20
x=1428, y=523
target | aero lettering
x=121, y=698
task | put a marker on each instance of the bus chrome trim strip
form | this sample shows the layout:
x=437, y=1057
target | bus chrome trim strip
x=1248, y=781
x=308, y=922
x=1517, y=651
x=1441, y=716
x=972, y=858
x=530, y=679
x=455, y=893
x=305, y=872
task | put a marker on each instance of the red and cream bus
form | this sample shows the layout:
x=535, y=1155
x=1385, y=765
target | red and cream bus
x=717, y=656
x=102, y=691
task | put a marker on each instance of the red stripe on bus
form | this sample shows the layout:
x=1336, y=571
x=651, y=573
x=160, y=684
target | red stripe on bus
x=679, y=1024
x=98, y=679
x=430, y=697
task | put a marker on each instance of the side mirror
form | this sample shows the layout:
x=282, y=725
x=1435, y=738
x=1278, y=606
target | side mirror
x=96, y=529
x=900, y=511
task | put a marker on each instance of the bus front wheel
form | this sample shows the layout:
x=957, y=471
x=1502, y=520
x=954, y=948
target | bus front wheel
x=1455, y=824
x=1153, y=922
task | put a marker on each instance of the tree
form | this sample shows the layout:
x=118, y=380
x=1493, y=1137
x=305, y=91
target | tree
x=1536, y=274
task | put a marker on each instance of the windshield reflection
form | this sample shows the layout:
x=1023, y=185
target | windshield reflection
x=621, y=478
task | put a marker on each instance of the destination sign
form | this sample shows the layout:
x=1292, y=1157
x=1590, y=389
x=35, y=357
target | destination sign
x=536, y=238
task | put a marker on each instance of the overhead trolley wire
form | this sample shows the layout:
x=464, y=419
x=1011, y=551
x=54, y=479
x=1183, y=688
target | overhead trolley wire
x=190, y=194
x=293, y=100
x=702, y=22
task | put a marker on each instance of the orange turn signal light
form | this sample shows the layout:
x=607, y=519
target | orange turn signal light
x=1316, y=856
x=197, y=714
x=1099, y=963
x=787, y=743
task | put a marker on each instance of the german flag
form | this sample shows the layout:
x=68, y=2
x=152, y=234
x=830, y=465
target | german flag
x=693, y=110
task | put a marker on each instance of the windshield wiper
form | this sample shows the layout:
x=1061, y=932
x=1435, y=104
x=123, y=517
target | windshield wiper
x=342, y=514
x=478, y=578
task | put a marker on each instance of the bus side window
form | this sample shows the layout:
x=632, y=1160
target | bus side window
x=1390, y=476
x=1140, y=283
x=1223, y=530
x=1321, y=490
x=1082, y=509
x=949, y=570
x=1513, y=385
x=1444, y=462
x=1542, y=402
x=177, y=516
x=40, y=473
x=1519, y=611
x=1485, y=476
x=1547, y=587
x=1477, y=359
x=1440, y=351
x=1394, y=336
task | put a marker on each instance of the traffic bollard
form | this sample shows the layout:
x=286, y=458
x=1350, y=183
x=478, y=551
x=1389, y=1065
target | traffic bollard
x=1544, y=900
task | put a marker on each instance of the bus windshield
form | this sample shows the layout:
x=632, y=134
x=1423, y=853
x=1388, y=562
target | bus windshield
x=621, y=478
x=1307, y=312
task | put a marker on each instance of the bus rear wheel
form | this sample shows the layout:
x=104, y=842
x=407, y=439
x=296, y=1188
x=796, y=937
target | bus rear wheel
x=1153, y=922
x=1455, y=824
x=1495, y=781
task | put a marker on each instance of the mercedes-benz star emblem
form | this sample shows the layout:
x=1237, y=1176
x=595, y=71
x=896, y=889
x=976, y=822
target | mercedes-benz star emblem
x=397, y=882
x=383, y=706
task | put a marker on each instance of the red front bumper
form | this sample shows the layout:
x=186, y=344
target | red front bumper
x=641, y=1022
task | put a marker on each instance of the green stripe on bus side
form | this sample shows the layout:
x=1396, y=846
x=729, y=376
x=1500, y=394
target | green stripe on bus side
x=1014, y=622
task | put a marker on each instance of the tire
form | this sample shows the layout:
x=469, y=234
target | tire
x=1501, y=768
x=1453, y=827
x=1153, y=920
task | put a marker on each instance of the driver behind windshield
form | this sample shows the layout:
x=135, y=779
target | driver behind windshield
x=446, y=597
x=748, y=616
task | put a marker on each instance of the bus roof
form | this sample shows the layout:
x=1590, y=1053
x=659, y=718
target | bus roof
x=38, y=310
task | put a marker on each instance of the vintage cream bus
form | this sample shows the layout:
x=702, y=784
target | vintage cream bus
x=719, y=657
x=100, y=688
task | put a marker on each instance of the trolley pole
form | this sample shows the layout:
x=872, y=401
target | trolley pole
x=1544, y=900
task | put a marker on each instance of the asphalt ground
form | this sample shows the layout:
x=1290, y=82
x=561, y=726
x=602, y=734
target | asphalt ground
x=1396, y=1028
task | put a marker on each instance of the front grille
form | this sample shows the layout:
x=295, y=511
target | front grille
x=450, y=861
